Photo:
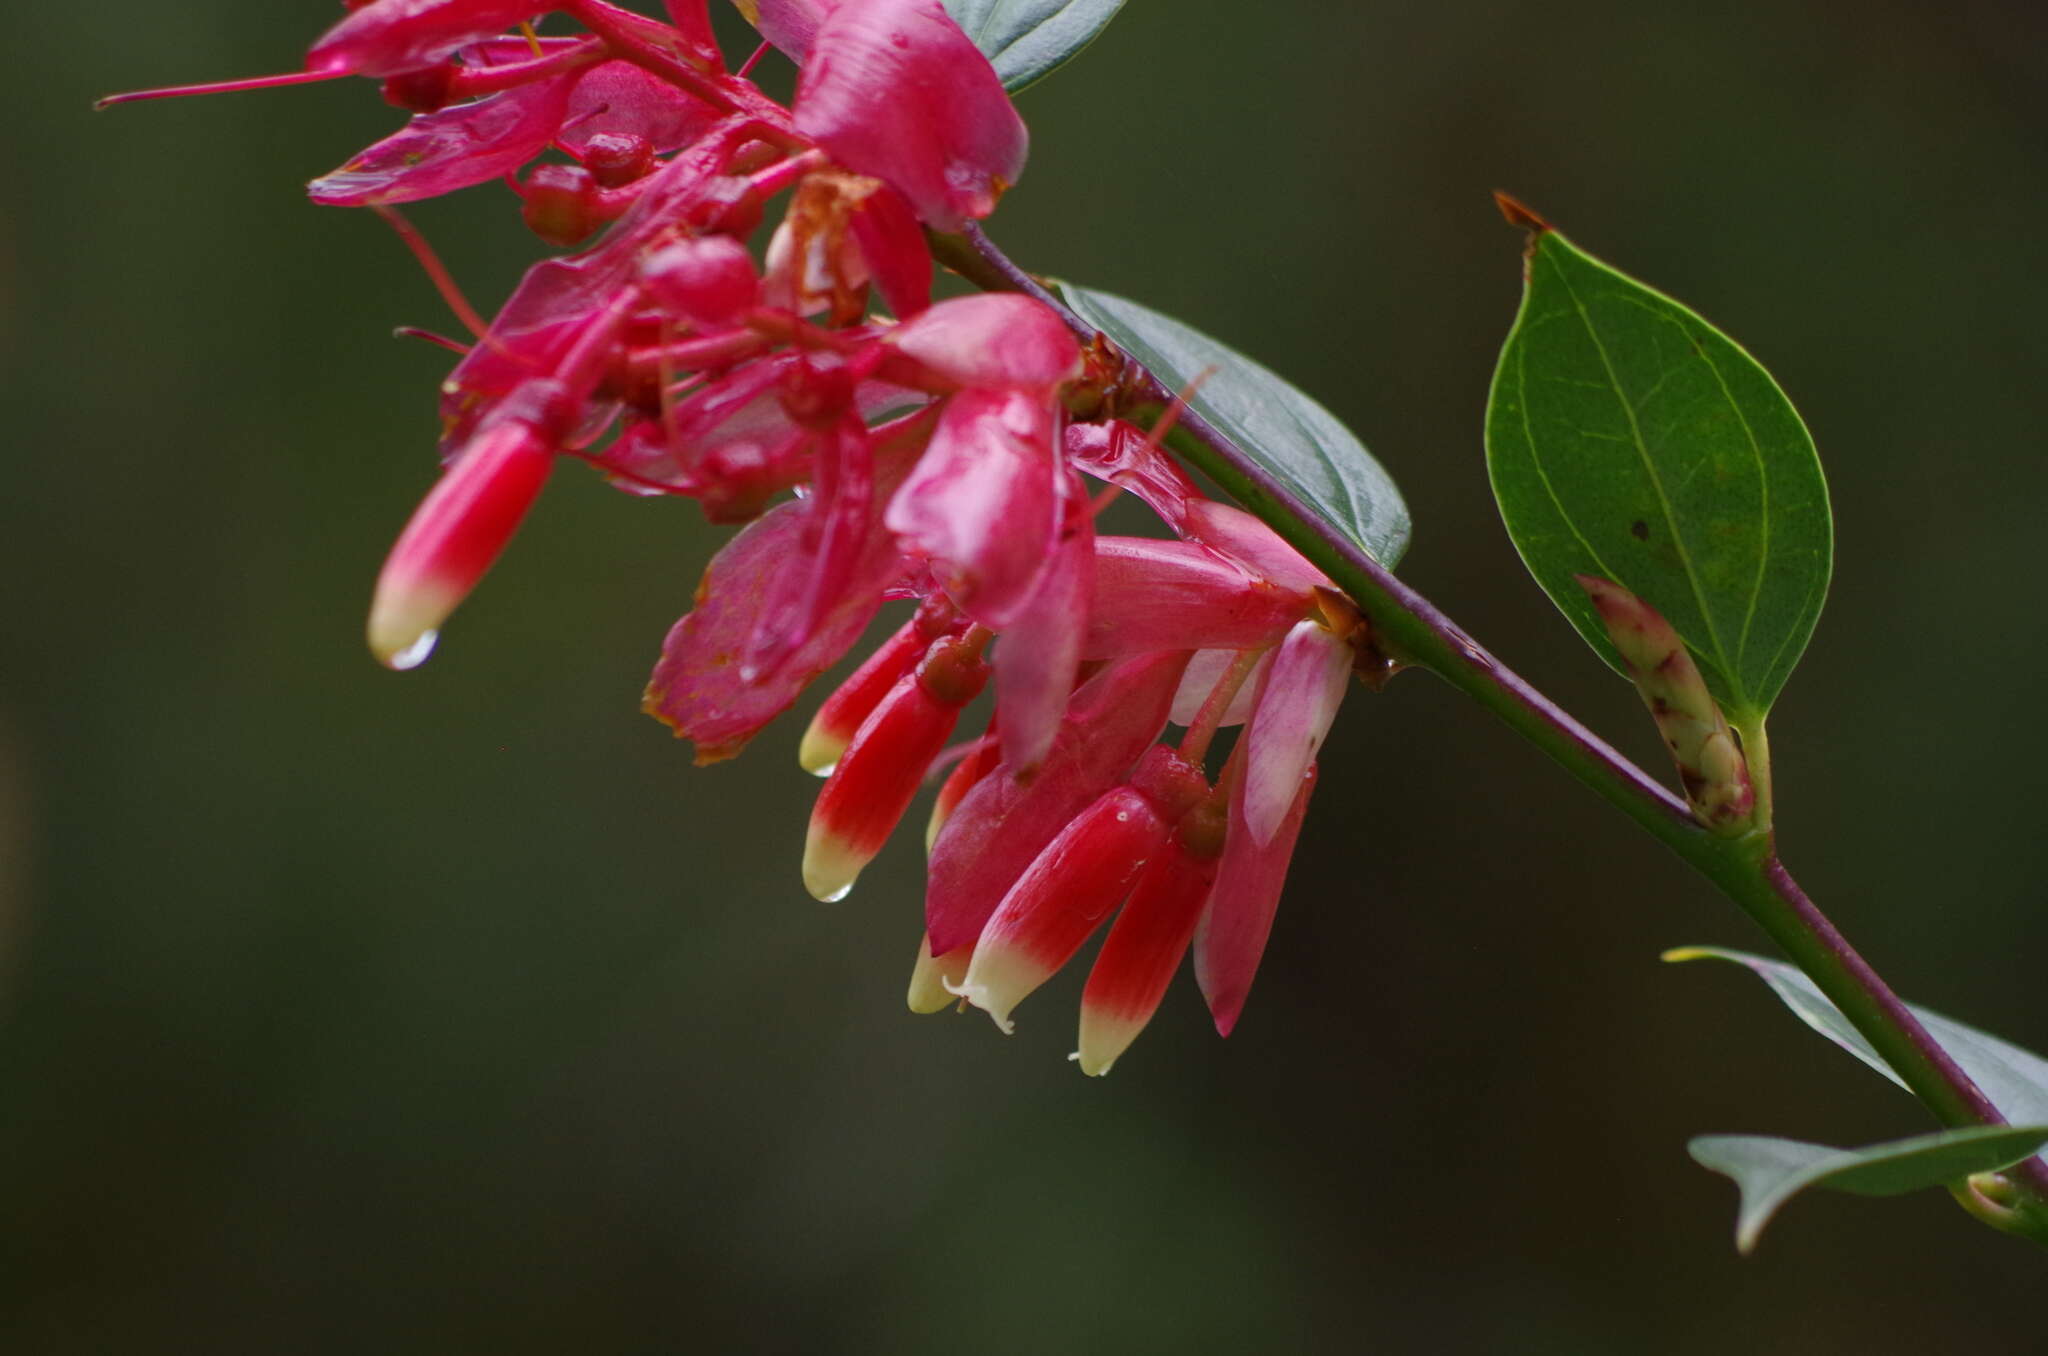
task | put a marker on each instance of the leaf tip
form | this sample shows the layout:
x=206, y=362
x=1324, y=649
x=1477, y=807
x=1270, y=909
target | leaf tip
x=1678, y=955
x=1519, y=214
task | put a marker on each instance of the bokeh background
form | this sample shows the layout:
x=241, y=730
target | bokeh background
x=456, y=1011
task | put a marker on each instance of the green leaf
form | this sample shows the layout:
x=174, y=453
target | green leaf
x=1289, y=434
x=2015, y=1080
x=1628, y=438
x=1771, y=1171
x=1026, y=40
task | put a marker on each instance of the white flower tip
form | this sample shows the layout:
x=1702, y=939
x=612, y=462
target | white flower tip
x=980, y=996
x=830, y=868
x=819, y=752
x=930, y=978
x=1094, y=1068
x=405, y=619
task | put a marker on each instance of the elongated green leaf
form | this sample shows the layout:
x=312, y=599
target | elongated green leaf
x=1026, y=40
x=1295, y=438
x=1771, y=1171
x=1628, y=438
x=2015, y=1080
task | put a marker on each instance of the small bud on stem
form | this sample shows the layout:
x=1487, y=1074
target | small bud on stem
x=1710, y=762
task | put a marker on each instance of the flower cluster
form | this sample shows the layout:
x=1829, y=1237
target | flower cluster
x=930, y=456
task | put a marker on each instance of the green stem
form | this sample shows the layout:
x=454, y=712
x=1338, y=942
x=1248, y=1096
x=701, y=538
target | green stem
x=1756, y=751
x=1412, y=629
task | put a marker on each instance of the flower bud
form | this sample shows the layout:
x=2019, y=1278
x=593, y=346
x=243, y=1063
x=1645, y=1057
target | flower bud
x=707, y=280
x=616, y=159
x=1150, y=936
x=873, y=784
x=1067, y=892
x=1710, y=763
x=560, y=204
x=453, y=538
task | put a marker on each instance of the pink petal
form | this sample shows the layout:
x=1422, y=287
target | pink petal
x=1118, y=453
x=1231, y=936
x=1155, y=595
x=1250, y=542
x=618, y=96
x=1297, y=702
x=1205, y=670
x=389, y=37
x=789, y=24
x=1040, y=651
x=981, y=504
x=894, y=89
x=697, y=688
x=840, y=530
x=1001, y=825
x=461, y=145
x=996, y=340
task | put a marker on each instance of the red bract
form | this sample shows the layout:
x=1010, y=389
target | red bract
x=926, y=456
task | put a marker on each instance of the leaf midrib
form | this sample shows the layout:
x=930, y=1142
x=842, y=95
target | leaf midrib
x=1720, y=654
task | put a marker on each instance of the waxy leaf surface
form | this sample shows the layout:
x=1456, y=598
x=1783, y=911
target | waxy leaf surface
x=1771, y=1171
x=1026, y=40
x=1297, y=440
x=2015, y=1080
x=1628, y=438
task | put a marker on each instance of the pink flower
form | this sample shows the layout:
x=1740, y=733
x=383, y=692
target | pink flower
x=925, y=456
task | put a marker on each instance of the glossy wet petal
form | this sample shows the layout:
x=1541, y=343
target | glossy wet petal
x=1303, y=688
x=894, y=89
x=440, y=152
x=982, y=504
x=1231, y=937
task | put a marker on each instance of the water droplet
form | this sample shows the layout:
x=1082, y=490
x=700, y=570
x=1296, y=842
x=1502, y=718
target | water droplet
x=839, y=894
x=415, y=654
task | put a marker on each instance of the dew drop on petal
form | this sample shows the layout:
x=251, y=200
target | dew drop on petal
x=415, y=654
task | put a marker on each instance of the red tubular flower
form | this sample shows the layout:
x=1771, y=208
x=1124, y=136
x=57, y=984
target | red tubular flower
x=1003, y=823
x=841, y=715
x=1066, y=892
x=1150, y=936
x=872, y=786
x=454, y=537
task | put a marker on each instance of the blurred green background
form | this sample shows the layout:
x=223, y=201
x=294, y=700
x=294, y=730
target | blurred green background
x=343, y=1011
